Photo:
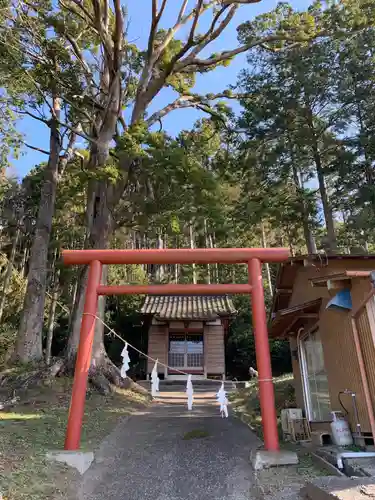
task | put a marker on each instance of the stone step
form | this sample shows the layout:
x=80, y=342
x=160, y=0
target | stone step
x=339, y=488
x=201, y=384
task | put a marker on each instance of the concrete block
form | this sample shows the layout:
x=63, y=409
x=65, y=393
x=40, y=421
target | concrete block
x=339, y=488
x=80, y=460
x=263, y=459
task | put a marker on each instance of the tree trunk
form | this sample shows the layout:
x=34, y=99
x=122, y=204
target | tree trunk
x=211, y=239
x=328, y=216
x=24, y=259
x=267, y=266
x=309, y=238
x=29, y=339
x=192, y=245
x=160, y=268
x=207, y=243
x=177, y=267
x=99, y=226
x=363, y=141
x=8, y=273
x=75, y=327
x=51, y=318
x=73, y=303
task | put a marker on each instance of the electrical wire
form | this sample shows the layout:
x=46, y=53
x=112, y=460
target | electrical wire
x=341, y=403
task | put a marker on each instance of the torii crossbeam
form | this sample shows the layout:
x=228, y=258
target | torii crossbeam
x=254, y=257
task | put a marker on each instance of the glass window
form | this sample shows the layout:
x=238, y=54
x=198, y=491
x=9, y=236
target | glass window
x=315, y=378
x=186, y=350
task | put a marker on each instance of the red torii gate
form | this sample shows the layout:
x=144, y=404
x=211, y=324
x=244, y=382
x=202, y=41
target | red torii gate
x=251, y=256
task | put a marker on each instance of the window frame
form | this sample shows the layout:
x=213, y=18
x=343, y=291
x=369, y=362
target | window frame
x=304, y=375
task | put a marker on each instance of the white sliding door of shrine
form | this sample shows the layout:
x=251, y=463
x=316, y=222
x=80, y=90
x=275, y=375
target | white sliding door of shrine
x=186, y=351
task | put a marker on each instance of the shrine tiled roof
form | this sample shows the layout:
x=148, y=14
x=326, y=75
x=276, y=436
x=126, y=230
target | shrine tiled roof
x=188, y=306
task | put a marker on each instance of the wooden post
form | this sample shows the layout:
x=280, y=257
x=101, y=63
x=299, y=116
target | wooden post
x=266, y=389
x=77, y=405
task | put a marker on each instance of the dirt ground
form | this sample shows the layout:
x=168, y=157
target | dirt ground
x=37, y=425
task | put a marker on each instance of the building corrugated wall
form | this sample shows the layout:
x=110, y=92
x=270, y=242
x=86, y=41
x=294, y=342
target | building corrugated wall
x=366, y=331
x=342, y=364
x=337, y=339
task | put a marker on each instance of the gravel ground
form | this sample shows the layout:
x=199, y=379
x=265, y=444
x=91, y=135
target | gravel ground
x=285, y=483
x=147, y=457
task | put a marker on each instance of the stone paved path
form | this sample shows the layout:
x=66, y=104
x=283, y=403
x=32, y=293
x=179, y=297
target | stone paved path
x=147, y=457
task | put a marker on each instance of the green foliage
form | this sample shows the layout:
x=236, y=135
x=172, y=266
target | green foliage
x=248, y=180
x=14, y=292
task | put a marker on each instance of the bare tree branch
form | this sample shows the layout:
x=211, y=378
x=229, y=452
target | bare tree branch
x=68, y=154
x=154, y=24
x=106, y=14
x=77, y=52
x=89, y=17
x=189, y=64
x=77, y=131
x=30, y=146
x=181, y=21
x=155, y=54
x=36, y=117
x=182, y=10
x=195, y=22
x=80, y=110
x=239, y=2
x=122, y=122
x=81, y=6
x=117, y=36
x=193, y=101
x=190, y=42
x=212, y=33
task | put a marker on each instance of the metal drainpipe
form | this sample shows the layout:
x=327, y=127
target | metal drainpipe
x=357, y=422
x=356, y=416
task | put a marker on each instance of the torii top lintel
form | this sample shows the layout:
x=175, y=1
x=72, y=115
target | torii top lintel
x=176, y=256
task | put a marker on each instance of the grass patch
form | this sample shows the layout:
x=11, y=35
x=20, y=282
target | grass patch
x=245, y=402
x=196, y=434
x=286, y=482
x=279, y=481
x=307, y=465
x=37, y=424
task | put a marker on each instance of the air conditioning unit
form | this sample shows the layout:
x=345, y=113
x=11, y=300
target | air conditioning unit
x=287, y=416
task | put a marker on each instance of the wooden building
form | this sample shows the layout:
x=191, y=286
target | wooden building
x=325, y=307
x=187, y=333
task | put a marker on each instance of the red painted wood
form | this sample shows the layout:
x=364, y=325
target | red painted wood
x=173, y=289
x=266, y=389
x=175, y=256
x=77, y=406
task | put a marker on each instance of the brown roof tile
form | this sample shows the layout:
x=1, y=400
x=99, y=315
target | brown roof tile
x=188, y=307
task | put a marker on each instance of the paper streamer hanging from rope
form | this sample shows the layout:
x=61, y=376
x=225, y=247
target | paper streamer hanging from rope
x=223, y=401
x=190, y=393
x=154, y=380
x=125, y=361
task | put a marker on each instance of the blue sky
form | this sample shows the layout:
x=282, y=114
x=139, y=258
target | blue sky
x=138, y=26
